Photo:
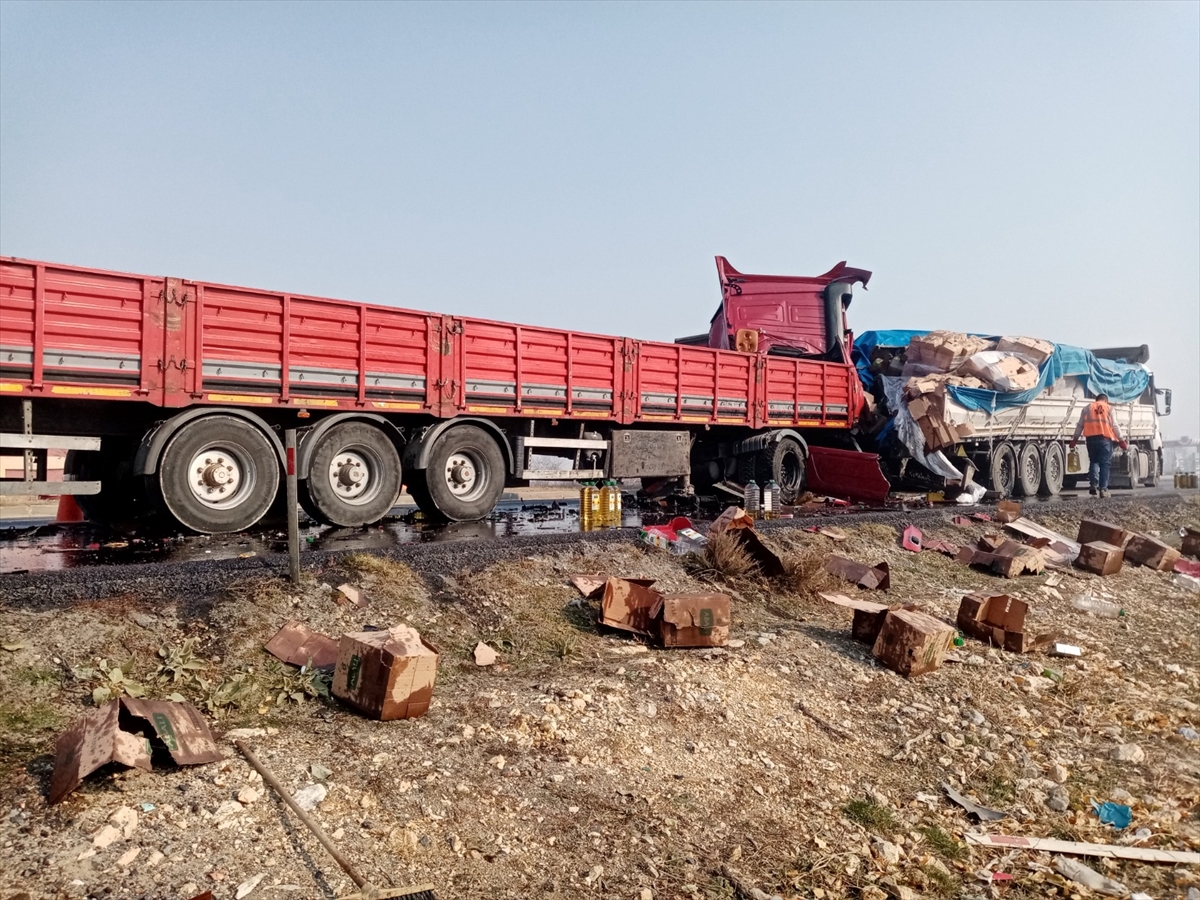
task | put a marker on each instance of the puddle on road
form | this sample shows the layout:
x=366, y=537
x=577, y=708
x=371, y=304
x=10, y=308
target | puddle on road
x=40, y=547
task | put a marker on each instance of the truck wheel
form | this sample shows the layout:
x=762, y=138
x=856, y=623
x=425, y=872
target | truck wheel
x=353, y=476
x=465, y=476
x=218, y=474
x=1029, y=470
x=785, y=462
x=1003, y=469
x=1054, y=468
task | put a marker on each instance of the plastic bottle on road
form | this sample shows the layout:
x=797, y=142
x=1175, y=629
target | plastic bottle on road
x=752, y=499
x=1102, y=608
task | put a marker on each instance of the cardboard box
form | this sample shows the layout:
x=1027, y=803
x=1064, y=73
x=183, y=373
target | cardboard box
x=945, y=350
x=1147, y=551
x=868, y=616
x=1096, y=530
x=298, y=645
x=694, y=620
x=105, y=735
x=386, y=674
x=1100, y=558
x=875, y=577
x=1008, y=511
x=630, y=606
x=1036, y=349
x=738, y=524
x=912, y=642
x=1014, y=374
x=1000, y=620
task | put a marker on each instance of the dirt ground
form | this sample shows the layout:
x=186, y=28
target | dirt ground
x=589, y=763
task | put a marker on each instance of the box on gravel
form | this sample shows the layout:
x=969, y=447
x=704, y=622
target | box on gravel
x=386, y=674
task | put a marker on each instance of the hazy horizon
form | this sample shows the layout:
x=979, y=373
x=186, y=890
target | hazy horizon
x=1001, y=168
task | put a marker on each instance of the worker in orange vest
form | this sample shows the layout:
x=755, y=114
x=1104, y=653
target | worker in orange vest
x=1099, y=429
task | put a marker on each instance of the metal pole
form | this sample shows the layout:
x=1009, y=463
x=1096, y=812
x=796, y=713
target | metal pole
x=293, y=515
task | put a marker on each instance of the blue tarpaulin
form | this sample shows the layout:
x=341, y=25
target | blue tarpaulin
x=1122, y=382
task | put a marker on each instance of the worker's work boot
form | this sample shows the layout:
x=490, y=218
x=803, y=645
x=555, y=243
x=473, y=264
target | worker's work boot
x=1092, y=491
x=1104, y=495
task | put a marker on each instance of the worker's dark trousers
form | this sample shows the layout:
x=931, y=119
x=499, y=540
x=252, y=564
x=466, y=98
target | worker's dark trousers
x=1099, y=461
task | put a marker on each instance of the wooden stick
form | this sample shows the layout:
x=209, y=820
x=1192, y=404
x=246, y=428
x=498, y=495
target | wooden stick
x=1114, y=851
x=270, y=779
x=832, y=729
x=741, y=888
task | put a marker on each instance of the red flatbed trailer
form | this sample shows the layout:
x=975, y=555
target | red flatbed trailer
x=160, y=369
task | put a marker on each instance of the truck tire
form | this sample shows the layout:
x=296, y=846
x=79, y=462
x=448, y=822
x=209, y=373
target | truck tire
x=465, y=476
x=353, y=476
x=418, y=489
x=1029, y=470
x=218, y=474
x=1054, y=469
x=1002, y=469
x=785, y=462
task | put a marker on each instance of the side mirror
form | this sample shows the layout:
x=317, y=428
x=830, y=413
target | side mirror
x=1166, y=395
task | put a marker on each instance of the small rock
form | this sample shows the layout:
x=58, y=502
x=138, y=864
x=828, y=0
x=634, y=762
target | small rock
x=129, y=856
x=1120, y=795
x=456, y=843
x=762, y=640
x=972, y=660
x=86, y=854
x=125, y=818
x=1059, y=800
x=484, y=655
x=155, y=857
x=952, y=741
x=646, y=894
x=240, y=734
x=367, y=801
x=1059, y=773
x=467, y=732
x=1131, y=753
x=339, y=834
x=244, y=889
x=309, y=796
x=105, y=836
x=247, y=795
x=887, y=851
x=497, y=761
x=144, y=621
x=977, y=718
x=735, y=644
x=594, y=875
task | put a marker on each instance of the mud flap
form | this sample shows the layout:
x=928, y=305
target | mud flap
x=846, y=473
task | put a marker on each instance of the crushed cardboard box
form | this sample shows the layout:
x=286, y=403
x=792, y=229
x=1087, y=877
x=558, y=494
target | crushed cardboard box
x=1097, y=530
x=386, y=674
x=1144, y=550
x=1037, y=350
x=868, y=616
x=875, y=577
x=1008, y=511
x=130, y=732
x=674, y=620
x=945, y=350
x=1000, y=620
x=735, y=522
x=298, y=645
x=1002, y=556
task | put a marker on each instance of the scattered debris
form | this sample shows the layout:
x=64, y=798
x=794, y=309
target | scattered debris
x=386, y=674
x=694, y=620
x=484, y=655
x=679, y=536
x=911, y=539
x=868, y=616
x=1007, y=511
x=736, y=522
x=1058, y=549
x=974, y=810
x=827, y=726
x=1000, y=620
x=349, y=595
x=246, y=887
x=1080, y=848
x=834, y=534
x=1004, y=557
x=1100, y=558
x=912, y=642
x=1152, y=553
x=1096, y=530
x=298, y=645
x=961, y=521
x=630, y=605
x=129, y=731
x=743, y=888
x=870, y=577
x=1089, y=877
x=1116, y=814
x=310, y=796
x=1065, y=650
x=1190, y=545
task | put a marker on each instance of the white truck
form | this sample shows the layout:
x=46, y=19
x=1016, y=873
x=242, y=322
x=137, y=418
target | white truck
x=1015, y=443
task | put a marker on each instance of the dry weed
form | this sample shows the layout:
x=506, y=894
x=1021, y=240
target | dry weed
x=724, y=554
x=805, y=572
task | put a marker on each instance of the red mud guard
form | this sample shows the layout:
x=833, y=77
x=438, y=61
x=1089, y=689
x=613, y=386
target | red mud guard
x=846, y=473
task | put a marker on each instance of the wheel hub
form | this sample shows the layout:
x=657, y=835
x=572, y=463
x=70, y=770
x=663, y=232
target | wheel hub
x=349, y=475
x=217, y=476
x=462, y=475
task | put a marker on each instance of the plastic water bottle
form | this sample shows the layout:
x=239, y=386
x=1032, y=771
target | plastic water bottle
x=770, y=499
x=1095, y=607
x=752, y=499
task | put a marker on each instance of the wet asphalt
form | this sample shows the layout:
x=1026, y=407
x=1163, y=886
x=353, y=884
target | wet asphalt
x=191, y=581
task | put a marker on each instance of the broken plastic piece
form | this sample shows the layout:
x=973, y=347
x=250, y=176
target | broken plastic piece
x=911, y=540
x=974, y=810
x=1116, y=814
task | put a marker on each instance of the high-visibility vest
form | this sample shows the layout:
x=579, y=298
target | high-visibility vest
x=1097, y=421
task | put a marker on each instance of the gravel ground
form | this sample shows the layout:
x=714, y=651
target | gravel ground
x=590, y=764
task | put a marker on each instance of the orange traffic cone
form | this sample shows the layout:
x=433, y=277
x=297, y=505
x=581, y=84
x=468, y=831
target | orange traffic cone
x=68, y=510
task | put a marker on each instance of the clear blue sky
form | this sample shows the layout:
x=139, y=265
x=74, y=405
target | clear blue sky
x=1018, y=167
